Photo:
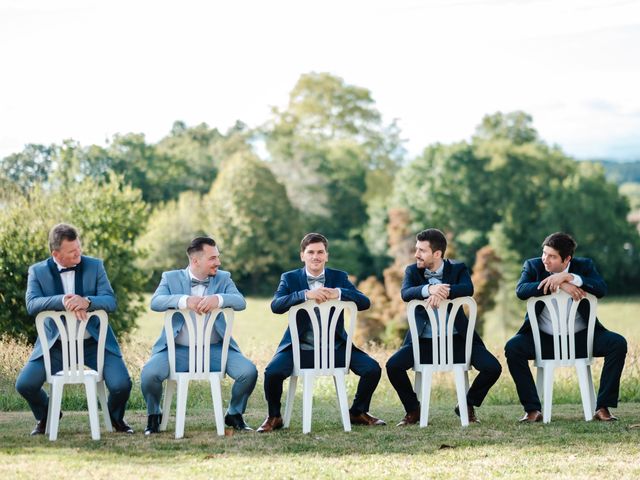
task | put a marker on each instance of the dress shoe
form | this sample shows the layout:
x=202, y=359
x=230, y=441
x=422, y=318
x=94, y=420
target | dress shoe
x=153, y=424
x=236, y=422
x=411, y=418
x=470, y=411
x=365, y=419
x=41, y=426
x=532, y=417
x=121, y=426
x=270, y=424
x=604, y=415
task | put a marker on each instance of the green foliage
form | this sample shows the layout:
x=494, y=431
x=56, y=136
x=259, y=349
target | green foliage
x=109, y=216
x=249, y=215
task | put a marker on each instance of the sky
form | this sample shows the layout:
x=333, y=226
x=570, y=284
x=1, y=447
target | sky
x=87, y=70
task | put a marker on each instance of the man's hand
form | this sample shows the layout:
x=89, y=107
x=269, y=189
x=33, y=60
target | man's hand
x=208, y=304
x=193, y=302
x=438, y=293
x=76, y=304
x=576, y=292
x=552, y=283
x=323, y=294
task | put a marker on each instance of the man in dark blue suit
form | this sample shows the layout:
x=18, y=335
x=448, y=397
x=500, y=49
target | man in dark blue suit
x=70, y=281
x=557, y=269
x=315, y=282
x=436, y=279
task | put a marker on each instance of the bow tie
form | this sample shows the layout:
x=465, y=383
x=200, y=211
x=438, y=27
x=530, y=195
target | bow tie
x=195, y=282
x=311, y=279
x=428, y=275
x=70, y=269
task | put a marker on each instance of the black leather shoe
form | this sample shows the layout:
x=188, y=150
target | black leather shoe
x=41, y=426
x=236, y=422
x=153, y=424
x=121, y=426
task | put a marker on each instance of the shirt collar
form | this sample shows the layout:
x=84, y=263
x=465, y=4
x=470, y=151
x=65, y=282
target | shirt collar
x=439, y=270
x=310, y=275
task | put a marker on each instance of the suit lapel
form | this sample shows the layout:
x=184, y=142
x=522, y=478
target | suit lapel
x=55, y=275
x=302, y=280
x=185, y=282
x=79, y=286
x=446, y=272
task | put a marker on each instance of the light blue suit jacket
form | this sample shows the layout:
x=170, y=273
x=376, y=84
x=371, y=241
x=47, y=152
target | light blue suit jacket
x=45, y=292
x=176, y=283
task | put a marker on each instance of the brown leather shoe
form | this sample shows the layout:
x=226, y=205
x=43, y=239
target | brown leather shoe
x=470, y=411
x=532, y=417
x=604, y=415
x=411, y=418
x=365, y=419
x=270, y=424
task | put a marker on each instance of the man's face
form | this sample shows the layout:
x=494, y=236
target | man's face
x=552, y=261
x=206, y=262
x=68, y=255
x=427, y=258
x=314, y=256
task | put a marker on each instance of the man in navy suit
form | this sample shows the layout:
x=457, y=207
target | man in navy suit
x=315, y=282
x=436, y=279
x=201, y=287
x=557, y=269
x=70, y=281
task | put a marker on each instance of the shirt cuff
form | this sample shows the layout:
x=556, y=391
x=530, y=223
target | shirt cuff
x=220, y=300
x=182, y=303
x=577, y=280
x=425, y=291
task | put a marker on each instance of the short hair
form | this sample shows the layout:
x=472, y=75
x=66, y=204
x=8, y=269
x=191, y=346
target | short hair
x=198, y=243
x=61, y=232
x=310, y=238
x=437, y=240
x=562, y=242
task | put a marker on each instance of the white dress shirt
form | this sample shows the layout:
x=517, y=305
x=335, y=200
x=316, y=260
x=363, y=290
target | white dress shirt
x=69, y=286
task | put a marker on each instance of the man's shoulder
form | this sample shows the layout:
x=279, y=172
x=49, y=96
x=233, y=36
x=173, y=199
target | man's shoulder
x=535, y=262
x=335, y=271
x=291, y=273
x=43, y=264
x=582, y=262
x=456, y=263
x=90, y=261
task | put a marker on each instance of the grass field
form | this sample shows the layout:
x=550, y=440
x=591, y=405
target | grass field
x=569, y=447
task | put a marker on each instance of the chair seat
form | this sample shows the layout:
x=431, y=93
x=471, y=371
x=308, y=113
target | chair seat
x=562, y=363
x=440, y=368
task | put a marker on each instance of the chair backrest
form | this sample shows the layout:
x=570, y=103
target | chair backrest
x=199, y=328
x=71, y=336
x=442, y=331
x=324, y=320
x=562, y=311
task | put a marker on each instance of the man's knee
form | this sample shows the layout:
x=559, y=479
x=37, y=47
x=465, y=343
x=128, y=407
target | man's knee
x=150, y=375
x=119, y=385
x=249, y=374
x=513, y=348
x=27, y=383
x=372, y=370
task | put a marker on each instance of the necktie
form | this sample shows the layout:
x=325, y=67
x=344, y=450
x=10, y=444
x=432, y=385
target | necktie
x=311, y=279
x=70, y=269
x=195, y=282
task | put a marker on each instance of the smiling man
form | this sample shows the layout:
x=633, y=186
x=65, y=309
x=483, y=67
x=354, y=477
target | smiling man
x=316, y=282
x=557, y=269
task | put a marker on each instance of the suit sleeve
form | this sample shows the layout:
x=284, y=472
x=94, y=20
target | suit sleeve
x=463, y=286
x=36, y=300
x=104, y=299
x=349, y=293
x=410, y=290
x=528, y=284
x=284, y=298
x=592, y=281
x=231, y=296
x=162, y=299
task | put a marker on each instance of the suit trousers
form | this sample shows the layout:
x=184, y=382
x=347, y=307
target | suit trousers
x=240, y=368
x=488, y=367
x=281, y=366
x=116, y=376
x=612, y=346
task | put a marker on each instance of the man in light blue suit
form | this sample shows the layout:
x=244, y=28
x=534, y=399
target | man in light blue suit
x=202, y=288
x=70, y=281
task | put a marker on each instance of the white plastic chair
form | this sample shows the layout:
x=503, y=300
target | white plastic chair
x=199, y=328
x=323, y=323
x=73, y=368
x=442, y=346
x=562, y=310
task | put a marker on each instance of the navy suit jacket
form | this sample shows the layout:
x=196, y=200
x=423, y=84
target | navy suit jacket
x=455, y=274
x=533, y=272
x=290, y=293
x=45, y=292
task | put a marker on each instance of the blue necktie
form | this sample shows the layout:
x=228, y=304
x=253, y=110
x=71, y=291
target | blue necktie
x=195, y=282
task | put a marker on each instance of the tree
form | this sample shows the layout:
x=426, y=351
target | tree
x=109, y=216
x=28, y=168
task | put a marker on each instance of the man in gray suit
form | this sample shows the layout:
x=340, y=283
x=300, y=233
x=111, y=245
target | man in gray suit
x=202, y=288
x=70, y=281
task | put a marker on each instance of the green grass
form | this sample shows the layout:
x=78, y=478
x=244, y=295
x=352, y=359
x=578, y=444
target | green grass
x=569, y=447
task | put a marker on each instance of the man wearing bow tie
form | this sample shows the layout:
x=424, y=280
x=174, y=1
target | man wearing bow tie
x=316, y=282
x=434, y=279
x=71, y=281
x=200, y=287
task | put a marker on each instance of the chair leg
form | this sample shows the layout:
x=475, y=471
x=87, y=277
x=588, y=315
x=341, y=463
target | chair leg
x=307, y=402
x=166, y=404
x=418, y=383
x=181, y=405
x=592, y=390
x=425, y=397
x=461, y=392
x=341, y=392
x=216, y=395
x=291, y=395
x=548, y=394
x=102, y=396
x=540, y=382
x=49, y=409
x=54, y=415
x=92, y=406
x=587, y=407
